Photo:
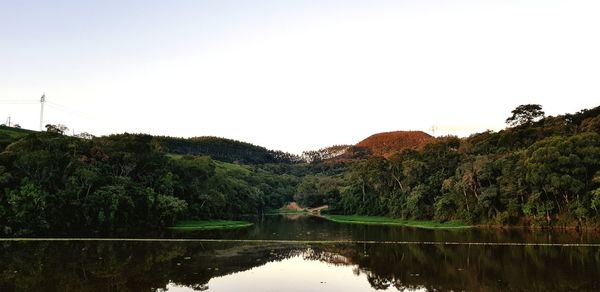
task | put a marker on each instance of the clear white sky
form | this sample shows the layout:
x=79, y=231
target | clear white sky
x=295, y=75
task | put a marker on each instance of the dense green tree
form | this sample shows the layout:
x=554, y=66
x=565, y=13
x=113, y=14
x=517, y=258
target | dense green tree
x=60, y=184
x=28, y=205
x=225, y=150
x=314, y=191
x=559, y=170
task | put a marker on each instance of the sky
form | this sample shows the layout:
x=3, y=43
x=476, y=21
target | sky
x=294, y=75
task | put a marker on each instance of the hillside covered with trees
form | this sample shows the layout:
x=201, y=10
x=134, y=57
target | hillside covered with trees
x=227, y=150
x=539, y=171
x=51, y=183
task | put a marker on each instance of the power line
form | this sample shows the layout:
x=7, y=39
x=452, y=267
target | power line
x=44, y=102
x=68, y=109
x=17, y=101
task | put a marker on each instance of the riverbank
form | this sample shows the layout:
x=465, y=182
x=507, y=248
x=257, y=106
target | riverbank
x=289, y=209
x=195, y=225
x=286, y=212
x=379, y=220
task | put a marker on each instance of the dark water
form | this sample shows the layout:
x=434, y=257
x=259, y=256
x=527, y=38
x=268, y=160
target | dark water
x=299, y=227
x=307, y=266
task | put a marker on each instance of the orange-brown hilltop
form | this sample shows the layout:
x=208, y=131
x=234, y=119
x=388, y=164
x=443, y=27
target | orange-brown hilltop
x=388, y=143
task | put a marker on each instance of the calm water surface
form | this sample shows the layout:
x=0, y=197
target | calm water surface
x=302, y=265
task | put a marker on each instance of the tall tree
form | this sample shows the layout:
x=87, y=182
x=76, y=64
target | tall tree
x=525, y=115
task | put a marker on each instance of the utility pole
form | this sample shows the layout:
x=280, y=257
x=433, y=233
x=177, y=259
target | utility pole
x=8, y=122
x=433, y=128
x=42, y=101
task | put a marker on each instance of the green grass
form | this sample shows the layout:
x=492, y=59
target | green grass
x=14, y=132
x=284, y=211
x=378, y=220
x=195, y=225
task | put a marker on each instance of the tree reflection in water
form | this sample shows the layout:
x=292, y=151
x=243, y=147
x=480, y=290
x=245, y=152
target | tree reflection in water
x=153, y=266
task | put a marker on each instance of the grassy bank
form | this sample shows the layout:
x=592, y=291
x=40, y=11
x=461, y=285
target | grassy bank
x=377, y=220
x=194, y=225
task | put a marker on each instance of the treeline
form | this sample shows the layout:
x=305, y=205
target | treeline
x=542, y=171
x=55, y=184
x=226, y=150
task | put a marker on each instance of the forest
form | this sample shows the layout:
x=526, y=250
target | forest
x=55, y=184
x=541, y=171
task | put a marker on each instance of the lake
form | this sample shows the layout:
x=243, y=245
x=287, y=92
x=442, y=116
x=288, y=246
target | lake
x=300, y=253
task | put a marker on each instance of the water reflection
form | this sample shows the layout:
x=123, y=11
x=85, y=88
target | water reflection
x=297, y=273
x=155, y=266
x=314, y=228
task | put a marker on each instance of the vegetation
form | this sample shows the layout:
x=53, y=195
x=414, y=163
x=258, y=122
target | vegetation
x=209, y=225
x=285, y=212
x=540, y=171
x=55, y=184
x=525, y=115
x=14, y=132
x=314, y=191
x=314, y=156
x=9, y=134
x=378, y=220
x=226, y=150
x=389, y=143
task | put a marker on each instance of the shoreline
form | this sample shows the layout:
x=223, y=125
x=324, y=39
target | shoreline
x=564, y=228
x=387, y=221
x=449, y=225
x=200, y=225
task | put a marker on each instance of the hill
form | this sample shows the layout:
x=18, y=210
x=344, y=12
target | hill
x=222, y=149
x=226, y=150
x=9, y=135
x=14, y=132
x=388, y=143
